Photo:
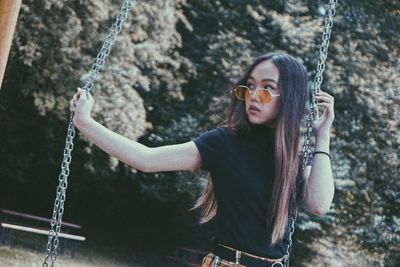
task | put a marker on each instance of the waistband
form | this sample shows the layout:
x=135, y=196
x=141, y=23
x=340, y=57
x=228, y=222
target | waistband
x=247, y=259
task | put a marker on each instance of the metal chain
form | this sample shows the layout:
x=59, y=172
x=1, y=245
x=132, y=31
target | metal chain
x=106, y=48
x=58, y=211
x=316, y=87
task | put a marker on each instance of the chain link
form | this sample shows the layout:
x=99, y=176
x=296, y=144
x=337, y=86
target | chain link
x=58, y=211
x=106, y=47
x=316, y=87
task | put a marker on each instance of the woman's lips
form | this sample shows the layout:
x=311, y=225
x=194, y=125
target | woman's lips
x=254, y=108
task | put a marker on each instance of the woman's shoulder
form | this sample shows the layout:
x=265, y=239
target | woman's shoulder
x=214, y=136
x=223, y=130
x=219, y=131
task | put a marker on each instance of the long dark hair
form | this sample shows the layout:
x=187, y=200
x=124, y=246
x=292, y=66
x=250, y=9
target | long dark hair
x=286, y=192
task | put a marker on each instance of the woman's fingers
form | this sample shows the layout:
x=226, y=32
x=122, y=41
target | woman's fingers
x=71, y=105
x=327, y=110
x=81, y=104
x=325, y=100
x=323, y=104
x=325, y=97
x=75, y=99
x=82, y=93
x=324, y=94
x=89, y=96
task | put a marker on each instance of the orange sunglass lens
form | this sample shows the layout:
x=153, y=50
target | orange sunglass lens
x=241, y=92
x=264, y=96
x=246, y=93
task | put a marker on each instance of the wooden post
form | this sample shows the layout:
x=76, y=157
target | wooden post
x=9, y=10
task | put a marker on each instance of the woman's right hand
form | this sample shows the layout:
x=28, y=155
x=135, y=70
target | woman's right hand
x=81, y=105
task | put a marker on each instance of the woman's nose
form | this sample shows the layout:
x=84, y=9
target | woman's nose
x=253, y=93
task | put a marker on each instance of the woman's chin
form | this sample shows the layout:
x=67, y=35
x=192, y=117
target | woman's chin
x=256, y=121
x=261, y=121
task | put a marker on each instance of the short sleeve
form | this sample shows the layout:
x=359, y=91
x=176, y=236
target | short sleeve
x=210, y=146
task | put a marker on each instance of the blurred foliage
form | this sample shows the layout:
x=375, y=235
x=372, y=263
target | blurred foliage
x=165, y=82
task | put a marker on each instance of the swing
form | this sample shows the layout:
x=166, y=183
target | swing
x=56, y=220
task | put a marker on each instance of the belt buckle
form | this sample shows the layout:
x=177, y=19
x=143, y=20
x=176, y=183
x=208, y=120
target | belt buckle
x=217, y=261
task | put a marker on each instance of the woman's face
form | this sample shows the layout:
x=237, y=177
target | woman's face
x=264, y=75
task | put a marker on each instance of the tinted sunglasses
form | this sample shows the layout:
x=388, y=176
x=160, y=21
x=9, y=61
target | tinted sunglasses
x=264, y=95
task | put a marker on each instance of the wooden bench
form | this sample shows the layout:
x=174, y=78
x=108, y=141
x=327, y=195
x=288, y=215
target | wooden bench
x=184, y=256
x=18, y=221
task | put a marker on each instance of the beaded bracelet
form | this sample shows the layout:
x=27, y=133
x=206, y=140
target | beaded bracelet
x=322, y=152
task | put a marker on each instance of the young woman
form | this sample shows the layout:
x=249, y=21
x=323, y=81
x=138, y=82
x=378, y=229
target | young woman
x=253, y=160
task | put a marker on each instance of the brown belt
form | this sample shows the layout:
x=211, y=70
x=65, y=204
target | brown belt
x=238, y=254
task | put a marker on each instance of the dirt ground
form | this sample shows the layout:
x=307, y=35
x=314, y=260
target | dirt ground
x=22, y=257
x=89, y=255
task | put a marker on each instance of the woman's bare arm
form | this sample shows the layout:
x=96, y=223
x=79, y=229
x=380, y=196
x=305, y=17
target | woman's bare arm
x=165, y=158
x=319, y=181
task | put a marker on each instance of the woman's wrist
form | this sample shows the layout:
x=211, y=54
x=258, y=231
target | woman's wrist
x=322, y=136
x=80, y=121
x=322, y=143
x=322, y=152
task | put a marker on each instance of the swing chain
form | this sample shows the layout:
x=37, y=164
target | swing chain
x=58, y=211
x=106, y=47
x=316, y=87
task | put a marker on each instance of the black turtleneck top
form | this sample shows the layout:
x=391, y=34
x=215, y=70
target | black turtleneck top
x=242, y=171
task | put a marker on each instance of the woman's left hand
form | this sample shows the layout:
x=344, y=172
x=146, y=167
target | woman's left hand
x=323, y=122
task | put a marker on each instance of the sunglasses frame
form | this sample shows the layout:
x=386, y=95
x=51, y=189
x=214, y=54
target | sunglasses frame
x=251, y=92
